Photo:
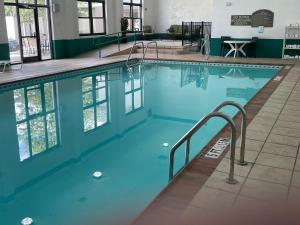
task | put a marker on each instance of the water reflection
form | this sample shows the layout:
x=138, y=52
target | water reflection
x=36, y=119
x=197, y=74
x=95, y=101
x=133, y=86
x=108, y=121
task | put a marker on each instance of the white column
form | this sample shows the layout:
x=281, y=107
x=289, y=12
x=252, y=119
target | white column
x=3, y=32
x=65, y=20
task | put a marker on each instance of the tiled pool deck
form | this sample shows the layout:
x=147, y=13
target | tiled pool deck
x=200, y=194
x=271, y=181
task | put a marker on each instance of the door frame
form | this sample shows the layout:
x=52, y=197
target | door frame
x=38, y=57
x=35, y=7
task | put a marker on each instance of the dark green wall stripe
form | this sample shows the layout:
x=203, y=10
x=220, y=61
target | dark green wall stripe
x=266, y=48
x=70, y=48
x=4, y=51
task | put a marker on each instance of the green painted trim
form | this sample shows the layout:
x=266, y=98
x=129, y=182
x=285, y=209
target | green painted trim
x=4, y=51
x=70, y=48
x=265, y=48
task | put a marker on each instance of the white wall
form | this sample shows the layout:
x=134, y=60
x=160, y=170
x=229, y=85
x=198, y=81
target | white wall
x=168, y=12
x=65, y=20
x=150, y=9
x=3, y=33
x=286, y=12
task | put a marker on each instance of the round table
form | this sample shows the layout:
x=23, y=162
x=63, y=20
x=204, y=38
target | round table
x=236, y=47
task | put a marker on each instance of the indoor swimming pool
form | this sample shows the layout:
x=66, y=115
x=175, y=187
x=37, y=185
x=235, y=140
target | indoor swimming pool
x=56, y=132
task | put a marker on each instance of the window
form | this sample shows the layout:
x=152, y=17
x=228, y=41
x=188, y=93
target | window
x=95, y=101
x=36, y=119
x=133, y=94
x=132, y=10
x=91, y=17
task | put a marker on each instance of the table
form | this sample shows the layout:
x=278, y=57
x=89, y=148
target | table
x=236, y=47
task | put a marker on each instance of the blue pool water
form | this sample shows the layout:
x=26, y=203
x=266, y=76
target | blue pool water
x=56, y=132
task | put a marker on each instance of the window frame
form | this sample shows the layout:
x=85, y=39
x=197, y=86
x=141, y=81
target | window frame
x=131, y=4
x=91, y=18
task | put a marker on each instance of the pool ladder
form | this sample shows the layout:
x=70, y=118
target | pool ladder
x=188, y=136
x=136, y=44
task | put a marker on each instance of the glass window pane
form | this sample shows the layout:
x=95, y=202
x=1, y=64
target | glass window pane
x=44, y=33
x=102, y=114
x=98, y=25
x=97, y=9
x=84, y=26
x=100, y=81
x=12, y=33
x=51, y=130
x=19, y=99
x=137, y=24
x=37, y=135
x=126, y=1
x=83, y=9
x=87, y=99
x=101, y=94
x=137, y=1
x=126, y=11
x=130, y=24
x=87, y=84
x=23, y=141
x=42, y=2
x=136, y=11
x=27, y=1
x=89, y=119
x=128, y=103
x=137, y=83
x=128, y=86
x=49, y=96
x=34, y=101
x=137, y=99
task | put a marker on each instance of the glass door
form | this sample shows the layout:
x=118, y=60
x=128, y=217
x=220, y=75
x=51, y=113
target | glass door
x=29, y=34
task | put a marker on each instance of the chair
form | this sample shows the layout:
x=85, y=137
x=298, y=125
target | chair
x=4, y=63
x=224, y=45
x=251, y=48
x=7, y=63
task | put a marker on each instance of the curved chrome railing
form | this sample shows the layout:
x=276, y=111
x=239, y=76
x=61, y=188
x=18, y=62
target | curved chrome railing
x=188, y=136
x=148, y=44
x=243, y=127
x=131, y=50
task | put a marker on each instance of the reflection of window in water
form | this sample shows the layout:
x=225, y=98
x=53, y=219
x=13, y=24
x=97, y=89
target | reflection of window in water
x=133, y=94
x=36, y=116
x=95, y=101
x=197, y=74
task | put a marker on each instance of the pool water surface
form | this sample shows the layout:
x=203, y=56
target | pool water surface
x=56, y=132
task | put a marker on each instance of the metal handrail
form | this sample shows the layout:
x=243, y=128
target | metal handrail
x=131, y=50
x=187, y=138
x=243, y=127
x=113, y=41
x=149, y=43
